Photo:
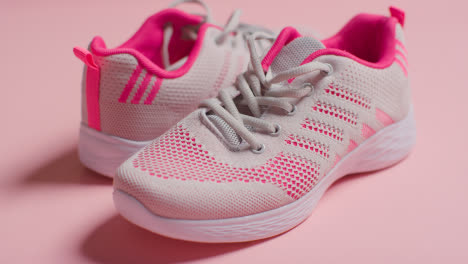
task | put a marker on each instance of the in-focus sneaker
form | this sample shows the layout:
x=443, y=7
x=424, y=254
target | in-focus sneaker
x=254, y=162
x=134, y=93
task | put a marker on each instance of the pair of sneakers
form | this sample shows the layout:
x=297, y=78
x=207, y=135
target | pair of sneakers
x=230, y=134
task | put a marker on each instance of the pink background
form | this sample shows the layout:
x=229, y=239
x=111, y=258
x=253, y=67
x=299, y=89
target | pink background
x=52, y=210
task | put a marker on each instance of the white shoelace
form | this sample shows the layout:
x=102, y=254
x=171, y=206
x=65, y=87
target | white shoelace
x=233, y=25
x=254, y=86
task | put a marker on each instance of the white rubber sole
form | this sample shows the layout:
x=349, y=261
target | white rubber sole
x=382, y=150
x=104, y=153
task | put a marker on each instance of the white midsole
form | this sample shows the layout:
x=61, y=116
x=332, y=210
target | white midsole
x=104, y=153
x=385, y=148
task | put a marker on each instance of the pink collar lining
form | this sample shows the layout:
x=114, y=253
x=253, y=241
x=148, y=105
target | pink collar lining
x=98, y=47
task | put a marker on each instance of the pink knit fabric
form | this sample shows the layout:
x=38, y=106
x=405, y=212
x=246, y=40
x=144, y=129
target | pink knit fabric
x=179, y=156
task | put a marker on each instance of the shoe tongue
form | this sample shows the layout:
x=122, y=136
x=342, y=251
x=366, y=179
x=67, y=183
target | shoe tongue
x=289, y=50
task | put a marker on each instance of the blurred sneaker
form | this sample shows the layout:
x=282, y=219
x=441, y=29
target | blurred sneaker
x=254, y=162
x=135, y=92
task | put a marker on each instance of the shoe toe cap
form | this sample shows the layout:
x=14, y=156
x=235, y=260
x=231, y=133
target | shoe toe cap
x=169, y=196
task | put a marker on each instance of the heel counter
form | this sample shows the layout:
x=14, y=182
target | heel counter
x=90, y=85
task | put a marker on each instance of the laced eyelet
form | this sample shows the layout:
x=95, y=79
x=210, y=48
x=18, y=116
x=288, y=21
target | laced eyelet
x=234, y=44
x=312, y=88
x=259, y=150
x=329, y=72
x=293, y=111
x=277, y=131
x=218, y=41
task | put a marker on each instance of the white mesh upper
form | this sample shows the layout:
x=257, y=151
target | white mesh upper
x=215, y=67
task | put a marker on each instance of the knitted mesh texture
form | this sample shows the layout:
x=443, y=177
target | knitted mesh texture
x=178, y=155
x=289, y=56
x=294, y=53
x=326, y=127
x=387, y=88
x=228, y=133
x=196, y=200
x=215, y=67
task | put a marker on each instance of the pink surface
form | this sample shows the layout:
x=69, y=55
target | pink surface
x=55, y=211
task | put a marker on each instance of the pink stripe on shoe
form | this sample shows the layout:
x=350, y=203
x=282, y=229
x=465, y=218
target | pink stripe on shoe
x=367, y=131
x=129, y=86
x=337, y=159
x=92, y=98
x=383, y=117
x=399, y=43
x=403, y=67
x=92, y=87
x=352, y=145
x=154, y=91
x=142, y=89
x=398, y=52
